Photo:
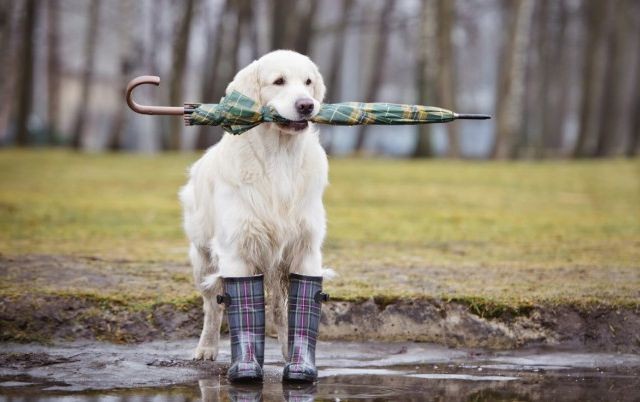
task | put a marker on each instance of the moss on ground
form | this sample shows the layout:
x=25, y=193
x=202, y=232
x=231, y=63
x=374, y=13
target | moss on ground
x=495, y=235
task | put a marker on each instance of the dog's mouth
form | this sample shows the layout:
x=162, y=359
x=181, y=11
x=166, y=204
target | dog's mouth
x=294, y=125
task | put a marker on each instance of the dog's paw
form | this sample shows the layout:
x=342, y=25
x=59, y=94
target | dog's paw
x=205, y=353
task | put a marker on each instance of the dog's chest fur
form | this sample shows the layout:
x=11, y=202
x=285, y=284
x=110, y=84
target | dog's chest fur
x=277, y=196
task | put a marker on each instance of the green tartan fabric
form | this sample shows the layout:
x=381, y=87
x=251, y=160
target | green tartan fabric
x=237, y=113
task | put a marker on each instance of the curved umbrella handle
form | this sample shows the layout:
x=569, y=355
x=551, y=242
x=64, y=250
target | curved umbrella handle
x=136, y=107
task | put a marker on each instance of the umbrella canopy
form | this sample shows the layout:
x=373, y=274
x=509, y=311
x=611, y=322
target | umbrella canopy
x=237, y=113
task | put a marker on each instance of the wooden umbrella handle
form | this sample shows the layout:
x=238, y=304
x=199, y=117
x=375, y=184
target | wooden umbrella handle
x=144, y=109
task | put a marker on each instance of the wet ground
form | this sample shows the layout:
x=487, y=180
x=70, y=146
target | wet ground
x=163, y=371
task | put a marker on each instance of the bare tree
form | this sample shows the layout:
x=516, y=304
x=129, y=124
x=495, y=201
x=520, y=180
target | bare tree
x=558, y=70
x=25, y=81
x=633, y=140
x=379, y=55
x=547, y=80
x=127, y=59
x=243, y=16
x=91, y=34
x=511, y=77
x=634, y=132
x=596, y=23
x=334, y=78
x=281, y=23
x=179, y=64
x=53, y=70
x=538, y=80
x=292, y=24
x=304, y=33
x=426, y=73
x=609, y=128
x=7, y=64
x=337, y=52
x=446, y=71
x=208, y=135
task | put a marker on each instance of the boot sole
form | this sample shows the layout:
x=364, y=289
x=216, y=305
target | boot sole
x=299, y=377
x=246, y=379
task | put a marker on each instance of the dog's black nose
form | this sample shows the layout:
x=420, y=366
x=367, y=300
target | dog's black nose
x=304, y=106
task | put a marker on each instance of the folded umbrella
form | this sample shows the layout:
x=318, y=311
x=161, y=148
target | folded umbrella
x=237, y=113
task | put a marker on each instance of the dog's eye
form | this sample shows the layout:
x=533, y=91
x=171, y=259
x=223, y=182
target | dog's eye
x=279, y=81
x=308, y=81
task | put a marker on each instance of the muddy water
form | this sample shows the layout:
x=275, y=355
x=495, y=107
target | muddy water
x=162, y=371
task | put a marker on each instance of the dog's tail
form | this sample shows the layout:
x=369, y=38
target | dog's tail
x=328, y=273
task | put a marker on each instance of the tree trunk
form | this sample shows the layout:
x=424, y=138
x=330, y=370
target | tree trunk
x=7, y=65
x=593, y=64
x=77, y=136
x=426, y=72
x=511, y=79
x=558, y=69
x=207, y=134
x=537, y=113
x=127, y=62
x=605, y=130
x=334, y=78
x=179, y=64
x=281, y=24
x=53, y=71
x=242, y=18
x=375, y=78
x=25, y=82
x=446, y=72
x=253, y=32
x=304, y=33
x=634, y=130
x=612, y=100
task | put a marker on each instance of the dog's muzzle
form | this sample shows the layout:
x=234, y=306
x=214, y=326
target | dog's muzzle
x=294, y=125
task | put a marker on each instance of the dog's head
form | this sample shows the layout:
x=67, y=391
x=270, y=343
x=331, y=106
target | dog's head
x=286, y=80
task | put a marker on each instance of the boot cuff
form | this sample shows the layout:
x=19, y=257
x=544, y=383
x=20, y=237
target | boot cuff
x=316, y=279
x=236, y=279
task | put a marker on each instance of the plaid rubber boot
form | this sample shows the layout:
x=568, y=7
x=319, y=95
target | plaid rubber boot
x=305, y=301
x=244, y=299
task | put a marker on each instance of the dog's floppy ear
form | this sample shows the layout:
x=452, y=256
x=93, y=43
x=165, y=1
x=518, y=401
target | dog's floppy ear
x=319, y=88
x=246, y=82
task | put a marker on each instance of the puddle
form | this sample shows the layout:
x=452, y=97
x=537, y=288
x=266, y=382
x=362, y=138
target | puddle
x=162, y=371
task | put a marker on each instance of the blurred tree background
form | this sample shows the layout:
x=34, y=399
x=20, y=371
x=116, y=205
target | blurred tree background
x=560, y=77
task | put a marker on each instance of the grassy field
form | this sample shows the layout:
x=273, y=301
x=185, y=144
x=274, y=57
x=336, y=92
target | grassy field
x=500, y=232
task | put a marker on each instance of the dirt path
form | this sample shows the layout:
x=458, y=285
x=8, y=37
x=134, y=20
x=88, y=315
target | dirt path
x=45, y=298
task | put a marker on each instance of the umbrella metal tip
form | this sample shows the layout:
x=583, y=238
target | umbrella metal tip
x=467, y=116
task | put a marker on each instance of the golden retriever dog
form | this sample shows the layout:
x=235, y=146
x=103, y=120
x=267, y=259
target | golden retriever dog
x=253, y=202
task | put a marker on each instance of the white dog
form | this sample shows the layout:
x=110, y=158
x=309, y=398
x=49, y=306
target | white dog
x=253, y=203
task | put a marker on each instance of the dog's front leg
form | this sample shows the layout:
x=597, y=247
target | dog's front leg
x=208, y=345
x=306, y=253
x=205, y=267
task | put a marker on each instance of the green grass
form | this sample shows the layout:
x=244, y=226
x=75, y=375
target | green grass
x=480, y=232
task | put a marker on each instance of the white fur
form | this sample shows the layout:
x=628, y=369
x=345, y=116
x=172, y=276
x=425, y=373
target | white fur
x=253, y=202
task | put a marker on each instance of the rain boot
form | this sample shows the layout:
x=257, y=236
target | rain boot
x=244, y=300
x=305, y=301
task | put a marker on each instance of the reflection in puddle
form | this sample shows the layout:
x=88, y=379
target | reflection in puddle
x=466, y=377
x=399, y=384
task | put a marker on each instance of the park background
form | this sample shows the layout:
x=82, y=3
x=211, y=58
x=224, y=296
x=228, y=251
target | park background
x=540, y=245
x=559, y=77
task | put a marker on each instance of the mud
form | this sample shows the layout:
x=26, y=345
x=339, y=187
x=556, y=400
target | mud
x=163, y=371
x=47, y=298
x=602, y=328
x=457, y=325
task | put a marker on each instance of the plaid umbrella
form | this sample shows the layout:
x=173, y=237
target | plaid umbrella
x=237, y=113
